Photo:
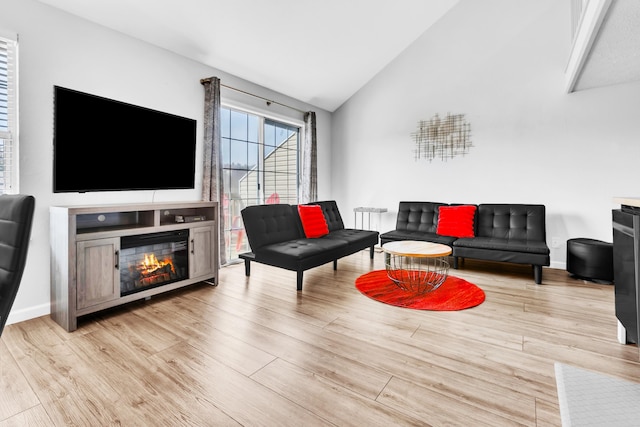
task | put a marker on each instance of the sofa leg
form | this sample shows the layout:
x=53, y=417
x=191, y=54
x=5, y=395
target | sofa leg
x=247, y=267
x=455, y=262
x=537, y=274
x=335, y=264
x=371, y=251
x=299, y=281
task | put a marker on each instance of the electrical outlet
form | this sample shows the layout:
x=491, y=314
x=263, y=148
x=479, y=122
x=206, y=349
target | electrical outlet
x=555, y=242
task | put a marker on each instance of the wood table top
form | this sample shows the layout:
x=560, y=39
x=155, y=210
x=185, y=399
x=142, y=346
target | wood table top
x=629, y=201
x=415, y=248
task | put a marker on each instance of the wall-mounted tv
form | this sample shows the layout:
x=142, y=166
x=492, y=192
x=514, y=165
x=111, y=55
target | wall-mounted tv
x=102, y=144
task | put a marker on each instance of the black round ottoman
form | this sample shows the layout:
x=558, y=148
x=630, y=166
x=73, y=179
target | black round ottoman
x=590, y=259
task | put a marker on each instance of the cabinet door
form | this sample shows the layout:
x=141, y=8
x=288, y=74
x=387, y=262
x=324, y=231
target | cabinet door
x=98, y=273
x=201, y=253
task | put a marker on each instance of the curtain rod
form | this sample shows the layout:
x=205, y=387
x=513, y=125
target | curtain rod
x=269, y=101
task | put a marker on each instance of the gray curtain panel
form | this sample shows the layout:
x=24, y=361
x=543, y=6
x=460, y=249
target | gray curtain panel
x=212, y=183
x=309, y=182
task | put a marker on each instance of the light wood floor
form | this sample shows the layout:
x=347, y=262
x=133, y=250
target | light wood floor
x=256, y=352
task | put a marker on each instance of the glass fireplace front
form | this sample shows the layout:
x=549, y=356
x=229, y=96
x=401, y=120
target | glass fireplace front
x=151, y=260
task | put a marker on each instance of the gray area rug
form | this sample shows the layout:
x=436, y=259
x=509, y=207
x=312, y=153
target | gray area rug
x=591, y=399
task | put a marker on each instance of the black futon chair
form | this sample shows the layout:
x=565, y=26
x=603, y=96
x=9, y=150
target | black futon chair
x=16, y=217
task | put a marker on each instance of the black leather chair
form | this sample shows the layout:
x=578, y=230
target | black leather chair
x=16, y=217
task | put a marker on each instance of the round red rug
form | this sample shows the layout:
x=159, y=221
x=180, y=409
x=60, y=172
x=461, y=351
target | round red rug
x=453, y=294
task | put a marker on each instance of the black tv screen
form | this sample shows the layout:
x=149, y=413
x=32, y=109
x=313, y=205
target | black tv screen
x=101, y=144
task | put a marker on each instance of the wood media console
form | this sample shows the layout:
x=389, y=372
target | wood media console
x=103, y=256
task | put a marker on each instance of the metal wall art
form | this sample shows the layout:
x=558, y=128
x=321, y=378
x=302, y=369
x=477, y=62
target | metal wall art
x=442, y=138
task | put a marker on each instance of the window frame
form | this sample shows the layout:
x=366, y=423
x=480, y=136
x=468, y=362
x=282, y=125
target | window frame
x=9, y=150
x=264, y=116
x=234, y=229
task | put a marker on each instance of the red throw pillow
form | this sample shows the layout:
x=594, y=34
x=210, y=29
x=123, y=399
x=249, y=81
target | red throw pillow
x=456, y=221
x=313, y=221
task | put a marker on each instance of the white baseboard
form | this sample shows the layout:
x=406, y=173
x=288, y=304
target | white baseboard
x=622, y=333
x=28, y=313
x=558, y=265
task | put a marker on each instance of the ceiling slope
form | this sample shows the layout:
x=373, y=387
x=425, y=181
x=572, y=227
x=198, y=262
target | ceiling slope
x=614, y=57
x=319, y=52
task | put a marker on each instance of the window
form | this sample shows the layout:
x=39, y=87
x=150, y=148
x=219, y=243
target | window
x=8, y=119
x=259, y=164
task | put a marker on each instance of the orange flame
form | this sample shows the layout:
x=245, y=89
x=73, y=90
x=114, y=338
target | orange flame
x=152, y=264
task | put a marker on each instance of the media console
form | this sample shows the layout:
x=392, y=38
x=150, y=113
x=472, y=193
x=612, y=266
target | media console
x=104, y=256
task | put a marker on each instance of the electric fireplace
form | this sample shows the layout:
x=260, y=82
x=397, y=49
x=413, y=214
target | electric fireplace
x=151, y=260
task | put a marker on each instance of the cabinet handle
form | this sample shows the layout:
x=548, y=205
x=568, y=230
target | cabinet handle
x=117, y=260
x=193, y=245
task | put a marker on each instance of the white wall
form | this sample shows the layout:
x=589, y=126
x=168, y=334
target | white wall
x=501, y=63
x=56, y=48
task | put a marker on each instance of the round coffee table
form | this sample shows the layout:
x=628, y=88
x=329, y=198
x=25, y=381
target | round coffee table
x=416, y=266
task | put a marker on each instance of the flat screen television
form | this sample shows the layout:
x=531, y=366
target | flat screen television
x=101, y=144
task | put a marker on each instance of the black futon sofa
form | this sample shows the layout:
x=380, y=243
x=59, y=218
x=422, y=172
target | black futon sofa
x=277, y=238
x=513, y=233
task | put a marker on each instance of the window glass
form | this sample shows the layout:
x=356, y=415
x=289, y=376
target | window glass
x=260, y=165
x=8, y=121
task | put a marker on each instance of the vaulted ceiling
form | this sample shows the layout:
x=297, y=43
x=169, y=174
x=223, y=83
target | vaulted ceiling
x=614, y=57
x=322, y=52
x=317, y=51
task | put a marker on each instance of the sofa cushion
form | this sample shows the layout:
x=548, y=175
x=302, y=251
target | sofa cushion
x=418, y=216
x=331, y=214
x=512, y=221
x=267, y=224
x=354, y=236
x=313, y=222
x=498, y=244
x=456, y=221
x=395, y=235
x=292, y=253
